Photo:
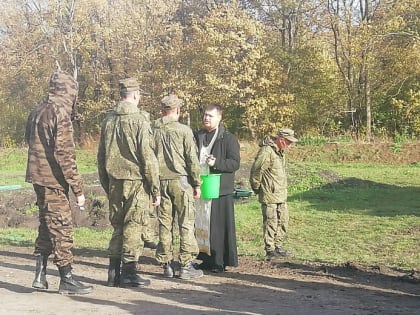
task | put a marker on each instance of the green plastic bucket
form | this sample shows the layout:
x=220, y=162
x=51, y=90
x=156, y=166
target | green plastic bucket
x=210, y=186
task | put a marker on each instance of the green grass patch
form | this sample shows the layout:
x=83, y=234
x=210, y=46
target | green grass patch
x=364, y=213
x=86, y=161
x=13, y=165
x=339, y=212
x=84, y=238
x=336, y=236
x=13, y=159
x=313, y=140
x=397, y=175
x=18, y=236
x=87, y=238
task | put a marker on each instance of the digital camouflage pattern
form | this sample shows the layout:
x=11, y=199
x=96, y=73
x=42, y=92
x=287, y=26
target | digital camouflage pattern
x=129, y=216
x=268, y=173
x=287, y=133
x=170, y=101
x=125, y=148
x=52, y=167
x=129, y=174
x=275, y=224
x=268, y=179
x=176, y=151
x=176, y=202
x=129, y=85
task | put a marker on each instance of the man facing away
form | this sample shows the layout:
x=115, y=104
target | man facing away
x=129, y=174
x=53, y=171
x=180, y=182
x=268, y=179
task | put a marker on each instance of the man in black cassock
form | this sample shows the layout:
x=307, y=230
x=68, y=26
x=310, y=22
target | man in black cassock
x=219, y=149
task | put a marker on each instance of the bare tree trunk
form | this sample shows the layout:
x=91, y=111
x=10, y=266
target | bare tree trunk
x=368, y=108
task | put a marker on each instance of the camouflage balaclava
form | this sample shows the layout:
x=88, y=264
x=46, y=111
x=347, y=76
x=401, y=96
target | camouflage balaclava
x=63, y=90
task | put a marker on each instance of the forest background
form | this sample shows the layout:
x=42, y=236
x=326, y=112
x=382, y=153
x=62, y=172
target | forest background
x=325, y=68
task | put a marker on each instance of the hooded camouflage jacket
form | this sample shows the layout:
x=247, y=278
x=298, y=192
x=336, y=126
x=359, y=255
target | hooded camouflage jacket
x=49, y=134
x=176, y=150
x=268, y=173
x=125, y=148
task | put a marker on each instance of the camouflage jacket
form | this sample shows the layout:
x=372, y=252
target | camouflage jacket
x=176, y=150
x=49, y=134
x=268, y=173
x=125, y=148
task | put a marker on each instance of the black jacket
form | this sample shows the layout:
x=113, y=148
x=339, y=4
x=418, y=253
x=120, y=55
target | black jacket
x=226, y=151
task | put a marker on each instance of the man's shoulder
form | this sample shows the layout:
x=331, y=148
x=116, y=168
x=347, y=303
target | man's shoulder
x=171, y=124
x=182, y=126
x=145, y=114
x=110, y=112
x=50, y=112
x=200, y=132
x=224, y=132
x=229, y=133
x=266, y=149
x=229, y=136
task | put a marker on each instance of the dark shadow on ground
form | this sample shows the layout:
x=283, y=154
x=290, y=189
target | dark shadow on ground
x=386, y=278
x=268, y=293
x=369, y=197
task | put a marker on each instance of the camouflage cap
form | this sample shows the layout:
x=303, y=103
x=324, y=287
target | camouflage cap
x=170, y=101
x=129, y=85
x=287, y=133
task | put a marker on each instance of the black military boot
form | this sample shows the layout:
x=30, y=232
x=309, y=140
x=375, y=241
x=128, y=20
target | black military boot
x=40, y=281
x=129, y=277
x=70, y=286
x=114, y=272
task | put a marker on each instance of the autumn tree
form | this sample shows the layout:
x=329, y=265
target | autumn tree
x=98, y=41
x=321, y=67
x=226, y=61
x=396, y=70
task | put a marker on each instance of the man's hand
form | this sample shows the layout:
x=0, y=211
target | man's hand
x=197, y=193
x=155, y=201
x=210, y=160
x=81, y=202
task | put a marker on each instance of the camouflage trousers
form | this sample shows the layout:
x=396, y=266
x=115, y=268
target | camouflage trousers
x=275, y=223
x=128, y=214
x=55, y=232
x=176, y=203
x=150, y=231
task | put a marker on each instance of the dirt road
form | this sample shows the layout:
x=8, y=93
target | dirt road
x=256, y=287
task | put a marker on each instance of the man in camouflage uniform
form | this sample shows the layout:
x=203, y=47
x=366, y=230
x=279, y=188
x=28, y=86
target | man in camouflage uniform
x=268, y=179
x=129, y=174
x=179, y=184
x=149, y=233
x=52, y=170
